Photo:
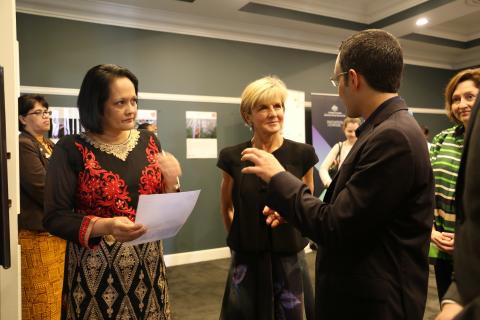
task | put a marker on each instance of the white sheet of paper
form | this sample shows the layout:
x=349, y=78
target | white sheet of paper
x=163, y=214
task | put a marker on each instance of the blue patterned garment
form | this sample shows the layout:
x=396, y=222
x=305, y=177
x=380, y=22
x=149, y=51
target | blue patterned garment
x=268, y=286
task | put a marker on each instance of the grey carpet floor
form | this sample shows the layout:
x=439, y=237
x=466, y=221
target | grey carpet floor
x=196, y=290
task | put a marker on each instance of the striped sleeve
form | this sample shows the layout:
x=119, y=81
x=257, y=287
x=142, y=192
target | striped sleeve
x=445, y=155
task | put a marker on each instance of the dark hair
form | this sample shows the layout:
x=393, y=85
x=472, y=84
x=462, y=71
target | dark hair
x=26, y=103
x=425, y=130
x=95, y=91
x=375, y=54
x=464, y=75
x=144, y=125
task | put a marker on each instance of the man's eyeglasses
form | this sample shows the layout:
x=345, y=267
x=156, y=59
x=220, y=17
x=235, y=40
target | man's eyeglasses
x=334, y=79
x=44, y=114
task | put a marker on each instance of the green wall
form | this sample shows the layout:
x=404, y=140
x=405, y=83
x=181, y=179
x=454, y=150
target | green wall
x=57, y=53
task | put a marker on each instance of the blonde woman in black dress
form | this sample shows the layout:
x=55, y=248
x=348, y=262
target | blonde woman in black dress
x=268, y=277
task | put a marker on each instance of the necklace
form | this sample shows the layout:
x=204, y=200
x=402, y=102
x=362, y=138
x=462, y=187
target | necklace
x=120, y=150
x=46, y=146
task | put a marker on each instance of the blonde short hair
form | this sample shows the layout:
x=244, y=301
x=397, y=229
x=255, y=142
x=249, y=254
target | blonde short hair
x=348, y=120
x=260, y=91
x=464, y=75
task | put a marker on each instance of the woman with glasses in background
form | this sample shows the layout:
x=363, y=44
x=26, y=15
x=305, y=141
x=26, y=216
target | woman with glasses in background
x=42, y=254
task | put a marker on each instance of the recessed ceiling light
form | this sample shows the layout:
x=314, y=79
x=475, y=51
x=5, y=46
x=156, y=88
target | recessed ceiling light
x=421, y=22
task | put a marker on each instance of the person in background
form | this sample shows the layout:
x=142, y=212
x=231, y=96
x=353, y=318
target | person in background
x=93, y=184
x=426, y=131
x=374, y=226
x=42, y=254
x=152, y=127
x=445, y=155
x=462, y=300
x=268, y=276
x=340, y=150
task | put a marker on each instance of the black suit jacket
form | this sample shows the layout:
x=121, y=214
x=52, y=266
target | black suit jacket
x=33, y=168
x=373, y=230
x=466, y=290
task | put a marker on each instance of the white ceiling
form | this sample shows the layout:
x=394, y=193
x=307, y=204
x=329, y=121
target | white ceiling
x=451, y=40
x=466, y=27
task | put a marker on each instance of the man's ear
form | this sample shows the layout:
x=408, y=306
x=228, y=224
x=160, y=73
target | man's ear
x=354, y=78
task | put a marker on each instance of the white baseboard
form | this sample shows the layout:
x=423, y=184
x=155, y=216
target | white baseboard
x=196, y=256
x=177, y=259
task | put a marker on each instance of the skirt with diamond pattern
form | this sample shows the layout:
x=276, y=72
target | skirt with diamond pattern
x=115, y=281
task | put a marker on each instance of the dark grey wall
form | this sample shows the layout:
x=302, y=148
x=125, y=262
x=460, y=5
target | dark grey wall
x=57, y=53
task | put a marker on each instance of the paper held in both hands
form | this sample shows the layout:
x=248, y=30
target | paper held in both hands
x=163, y=214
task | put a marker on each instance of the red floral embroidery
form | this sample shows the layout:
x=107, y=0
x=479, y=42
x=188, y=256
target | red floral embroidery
x=100, y=192
x=151, y=179
x=85, y=230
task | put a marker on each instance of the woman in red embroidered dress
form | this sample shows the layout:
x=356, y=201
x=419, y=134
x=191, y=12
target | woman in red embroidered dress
x=92, y=188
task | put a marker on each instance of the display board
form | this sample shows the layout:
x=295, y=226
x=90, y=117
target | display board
x=294, y=118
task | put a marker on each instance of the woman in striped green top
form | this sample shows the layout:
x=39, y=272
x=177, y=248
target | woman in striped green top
x=445, y=154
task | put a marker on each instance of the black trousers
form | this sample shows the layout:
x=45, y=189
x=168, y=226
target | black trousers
x=443, y=276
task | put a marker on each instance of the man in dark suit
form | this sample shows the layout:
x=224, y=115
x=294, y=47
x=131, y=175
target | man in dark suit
x=374, y=227
x=464, y=293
